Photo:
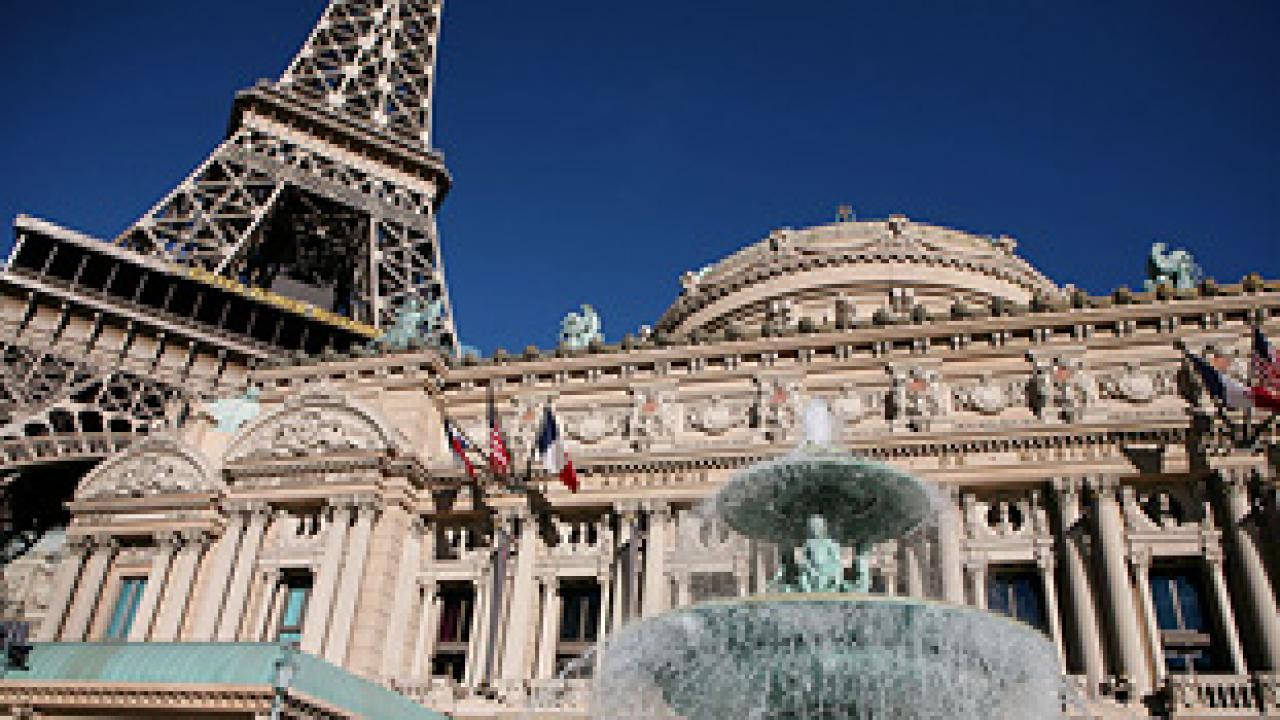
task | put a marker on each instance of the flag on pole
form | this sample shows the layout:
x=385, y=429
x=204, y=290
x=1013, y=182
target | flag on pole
x=1264, y=364
x=554, y=457
x=1231, y=392
x=458, y=443
x=499, y=458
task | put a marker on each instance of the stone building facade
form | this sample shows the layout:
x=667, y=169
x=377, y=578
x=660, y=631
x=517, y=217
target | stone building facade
x=242, y=471
x=1087, y=486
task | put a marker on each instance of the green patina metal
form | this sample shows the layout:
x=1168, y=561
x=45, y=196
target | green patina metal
x=213, y=664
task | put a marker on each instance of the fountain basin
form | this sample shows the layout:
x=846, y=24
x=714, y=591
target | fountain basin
x=863, y=502
x=828, y=656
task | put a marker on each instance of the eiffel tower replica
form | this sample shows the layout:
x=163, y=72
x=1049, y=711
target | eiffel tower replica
x=307, y=230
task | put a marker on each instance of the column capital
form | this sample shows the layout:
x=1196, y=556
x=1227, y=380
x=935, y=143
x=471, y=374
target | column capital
x=193, y=536
x=342, y=503
x=659, y=508
x=1104, y=486
x=1140, y=558
x=1045, y=558
x=79, y=543
x=103, y=541
x=626, y=509
x=1067, y=485
x=165, y=539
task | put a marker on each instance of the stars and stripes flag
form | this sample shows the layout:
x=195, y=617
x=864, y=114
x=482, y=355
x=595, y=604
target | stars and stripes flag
x=460, y=446
x=554, y=457
x=1264, y=364
x=1232, y=393
x=499, y=458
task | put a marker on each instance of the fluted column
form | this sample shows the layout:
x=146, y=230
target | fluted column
x=217, y=575
x=549, y=630
x=406, y=584
x=162, y=556
x=1262, y=596
x=655, y=560
x=1124, y=614
x=88, y=589
x=344, y=606
x=316, y=623
x=245, y=561
x=1140, y=562
x=1078, y=584
x=428, y=631
x=1213, y=559
x=177, y=589
x=950, y=538
x=515, y=658
x=269, y=591
x=1045, y=561
x=64, y=586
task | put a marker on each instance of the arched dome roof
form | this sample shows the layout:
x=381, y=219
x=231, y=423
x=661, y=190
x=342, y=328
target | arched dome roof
x=806, y=272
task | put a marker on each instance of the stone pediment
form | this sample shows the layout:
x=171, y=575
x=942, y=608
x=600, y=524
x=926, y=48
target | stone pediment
x=315, y=424
x=156, y=466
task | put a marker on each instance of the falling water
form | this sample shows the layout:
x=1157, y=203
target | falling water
x=802, y=656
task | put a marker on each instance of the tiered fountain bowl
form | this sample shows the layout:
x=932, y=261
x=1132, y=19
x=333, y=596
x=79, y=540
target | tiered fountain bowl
x=796, y=655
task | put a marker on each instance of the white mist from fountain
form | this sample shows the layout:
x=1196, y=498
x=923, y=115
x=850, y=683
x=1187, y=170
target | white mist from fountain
x=800, y=654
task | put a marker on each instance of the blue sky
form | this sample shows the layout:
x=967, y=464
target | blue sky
x=601, y=148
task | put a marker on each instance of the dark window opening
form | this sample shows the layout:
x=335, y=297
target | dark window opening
x=1182, y=616
x=296, y=590
x=1018, y=593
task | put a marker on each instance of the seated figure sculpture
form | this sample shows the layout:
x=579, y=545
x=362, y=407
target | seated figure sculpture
x=820, y=569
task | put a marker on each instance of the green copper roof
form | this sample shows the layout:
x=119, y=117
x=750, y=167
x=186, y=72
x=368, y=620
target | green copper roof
x=214, y=663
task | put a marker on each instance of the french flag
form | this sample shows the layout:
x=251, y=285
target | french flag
x=554, y=457
x=1231, y=392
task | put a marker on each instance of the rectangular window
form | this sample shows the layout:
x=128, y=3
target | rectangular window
x=1185, y=631
x=579, y=613
x=1017, y=592
x=455, y=615
x=296, y=589
x=126, y=607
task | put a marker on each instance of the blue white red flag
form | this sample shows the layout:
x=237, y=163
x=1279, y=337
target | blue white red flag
x=554, y=457
x=1264, y=364
x=1230, y=392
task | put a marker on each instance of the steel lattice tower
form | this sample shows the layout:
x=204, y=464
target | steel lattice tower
x=326, y=184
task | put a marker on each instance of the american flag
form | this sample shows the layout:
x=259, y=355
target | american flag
x=1264, y=364
x=499, y=458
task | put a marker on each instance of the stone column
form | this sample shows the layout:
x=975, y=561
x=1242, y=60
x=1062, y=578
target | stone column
x=428, y=631
x=88, y=589
x=344, y=606
x=976, y=568
x=602, y=631
x=950, y=539
x=1140, y=562
x=1124, y=615
x=245, y=561
x=1261, y=594
x=476, y=645
x=1078, y=585
x=655, y=560
x=1213, y=558
x=64, y=585
x=269, y=590
x=217, y=575
x=316, y=623
x=515, y=657
x=162, y=556
x=911, y=563
x=683, y=594
x=177, y=590
x=1045, y=560
x=550, y=628
x=406, y=584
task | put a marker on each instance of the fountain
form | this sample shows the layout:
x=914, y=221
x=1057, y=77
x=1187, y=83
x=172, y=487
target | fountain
x=817, y=646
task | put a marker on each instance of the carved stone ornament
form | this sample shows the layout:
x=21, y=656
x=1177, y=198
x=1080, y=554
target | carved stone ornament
x=592, y=426
x=781, y=402
x=314, y=425
x=1134, y=384
x=654, y=412
x=919, y=395
x=716, y=415
x=851, y=406
x=154, y=467
x=989, y=397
